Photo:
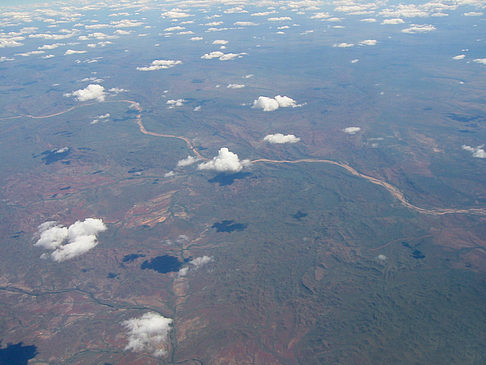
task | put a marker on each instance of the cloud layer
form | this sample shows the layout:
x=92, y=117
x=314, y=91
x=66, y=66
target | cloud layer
x=225, y=161
x=81, y=237
x=148, y=333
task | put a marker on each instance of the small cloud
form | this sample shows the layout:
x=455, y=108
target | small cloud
x=279, y=138
x=356, y=60
x=419, y=28
x=320, y=16
x=244, y=24
x=474, y=13
x=197, y=38
x=343, y=45
x=368, y=20
x=100, y=118
x=477, y=152
x=148, y=333
x=351, y=130
x=381, y=257
x=225, y=161
x=271, y=104
x=169, y=174
x=459, y=57
x=279, y=19
x=81, y=237
x=200, y=261
x=480, y=60
x=221, y=56
x=197, y=108
x=175, y=103
x=160, y=65
x=71, y=51
x=173, y=29
x=235, y=86
x=189, y=160
x=368, y=42
x=175, y=13
x=249, y=76
x=91, y=92
x=220, y=41
x=393, y=21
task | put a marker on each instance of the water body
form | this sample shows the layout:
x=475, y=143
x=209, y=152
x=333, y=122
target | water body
x=228, y=179
x=131, y=257
x=299, y=215
x=51, y=156
x=417, y=254
x=17, y=354
x=162, y=264
x=228, y=226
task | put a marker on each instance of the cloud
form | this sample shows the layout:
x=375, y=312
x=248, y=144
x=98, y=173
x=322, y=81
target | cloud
x=279, y=19
x=244, y=24
x=381, y=257
x=393, y=21
x=100, y=118
x=173, y=29
x=91, y=92
x=221, y=56
x=225, y=161
x=189, y=160
x=200, y=261
x=474, y=13
x=71, y=51
x=343, y=45
x=174, y=103
x=351, y=130
x=235, y=86
x=368, y=20
x=271, y=104
x=196, y=38
x=459, y=57
x=175, y=13
x=419, y=28
x=320, y=16
x=160, y=65
x=477, y=152
x=220, y=41
x=148, y=333
x=280, y=138
x=51, y=46
x=356, y=60
x=368, y=42
x=81, y=237
x=480, y=60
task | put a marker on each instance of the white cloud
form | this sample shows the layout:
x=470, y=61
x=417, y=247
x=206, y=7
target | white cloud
x=477, y=152
x=474, y=13
x=175, y=13
x=393, y=21
x=405, y=11
x=160, y=65
x=189, y=160
x=356, y=60
x=221, y=56
x=280, y=138
x=175, y=103
x=320, y=16
x=368, y=20
x=71, y=51
x=343, y=45
x=91, y=92
x=173, y=29
x=123, y=32
x=419, y=28
x=480, y=60
x=200, y=261
x=351, y=130
x=148, y=333
x=4, y=59
x=279, y=19
x=51, y=46
x=81, y=237
x=368, y=42
x=235, y=86
x=244, y=24
x=225, y=161
x=196, y=38
x=100, y=118
x=381, y=257
x=459, y=57
x=220, y=41
x=271, y=104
